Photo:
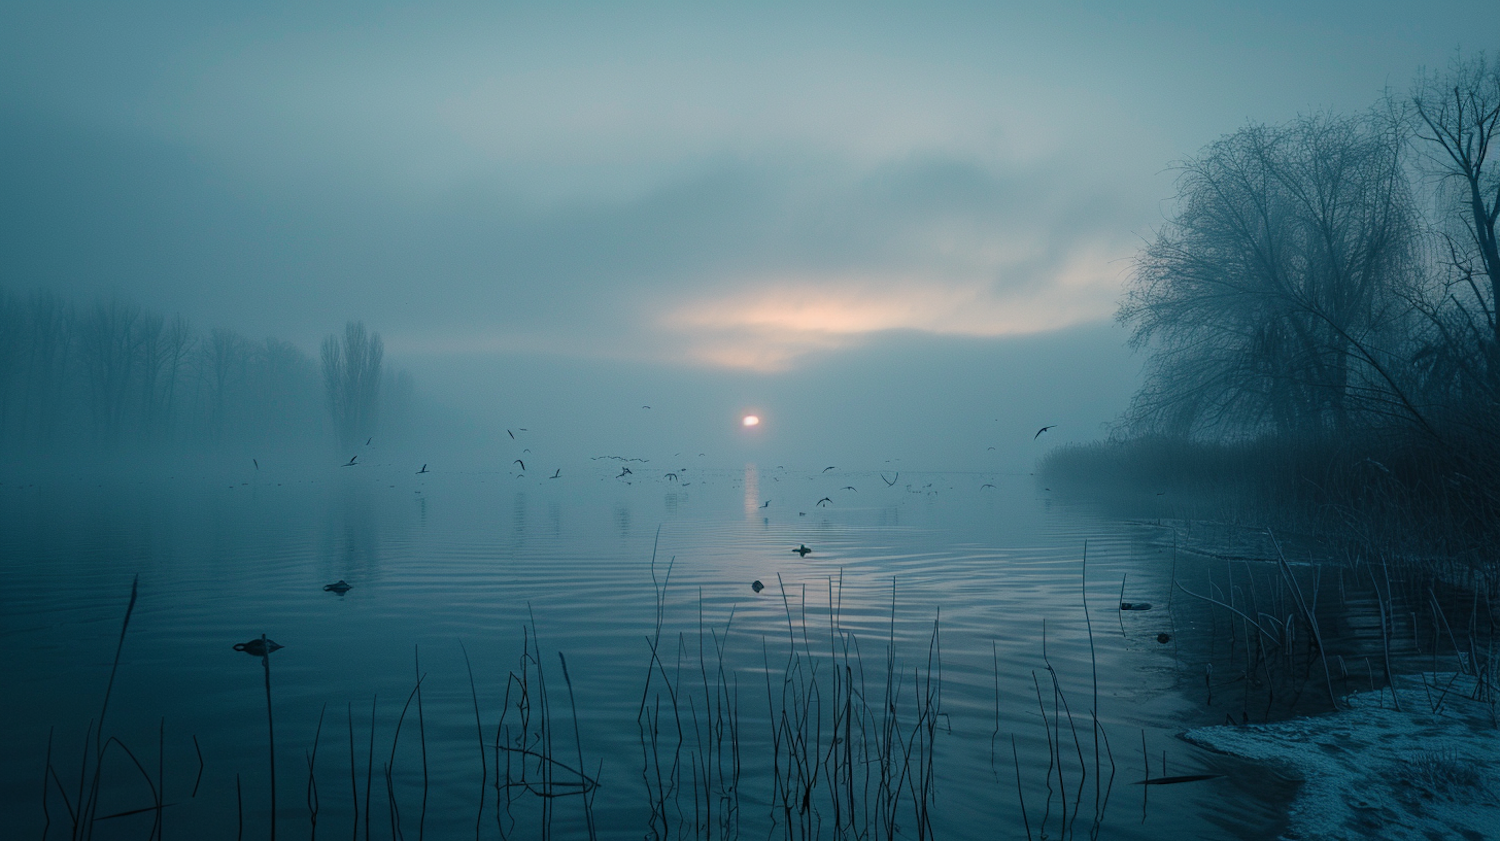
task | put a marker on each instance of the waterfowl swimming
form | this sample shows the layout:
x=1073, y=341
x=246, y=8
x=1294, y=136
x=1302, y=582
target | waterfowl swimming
x=757, y=586
x=1135, y=605
x=341, y=587
x=803, y=550
x=258, y=647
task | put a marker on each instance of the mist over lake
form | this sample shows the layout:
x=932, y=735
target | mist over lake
x=802, y=421
x=455, y=562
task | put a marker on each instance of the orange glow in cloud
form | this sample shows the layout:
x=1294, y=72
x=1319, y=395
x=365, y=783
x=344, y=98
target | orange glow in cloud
x=770, y=325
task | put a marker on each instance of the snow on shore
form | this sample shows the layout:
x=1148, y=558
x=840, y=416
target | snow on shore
x=1369, y=771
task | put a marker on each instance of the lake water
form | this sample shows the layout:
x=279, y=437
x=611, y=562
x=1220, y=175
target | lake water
x=446, y=563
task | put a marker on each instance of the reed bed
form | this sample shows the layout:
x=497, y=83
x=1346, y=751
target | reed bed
x=839, y=747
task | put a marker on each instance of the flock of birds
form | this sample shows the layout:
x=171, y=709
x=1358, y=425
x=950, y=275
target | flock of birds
x=262, y=647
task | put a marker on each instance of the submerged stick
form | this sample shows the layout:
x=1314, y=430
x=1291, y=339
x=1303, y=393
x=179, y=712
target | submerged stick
x=265, y=659
x=479, y=727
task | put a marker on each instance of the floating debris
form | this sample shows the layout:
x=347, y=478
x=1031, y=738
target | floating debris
x=1164, y=638
x=1166, y=781
x=757, y=586
x=1135, y=605
x=258, y=647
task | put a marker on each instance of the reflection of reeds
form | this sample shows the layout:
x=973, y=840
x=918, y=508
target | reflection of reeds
x=83, y=811
x=530, y=765
x=843, y=762
x=1056, y=737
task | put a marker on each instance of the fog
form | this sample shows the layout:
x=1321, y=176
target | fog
x=896, y=235
x=304, y=307
x=897, y=403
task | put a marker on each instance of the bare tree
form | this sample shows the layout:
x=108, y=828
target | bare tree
x=51, y=336
x=12, y=346
x=1457, y=119
x=1267, y=300
x=109, y=336
x=225, y=357
x=178, y=342
x=351, y=377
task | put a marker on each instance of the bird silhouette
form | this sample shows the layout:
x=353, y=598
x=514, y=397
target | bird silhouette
x=803, y=550
x=511, y=434
x=986, y=485
x=766, y=504
x=672, y=476
x=341, y=587
x=351, y=461
x=890, y=482
x=849, y=488
x=256, y=463
x=423, y=470
x=1043, y=429
x=825, y=499
x=368, y=440
x=557, y=474
x=258, y=647
x=522, y=463
x=624, y=471
x=829, y=467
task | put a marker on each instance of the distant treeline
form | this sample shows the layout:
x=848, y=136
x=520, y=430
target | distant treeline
x=110, y=374
x=1330, y=284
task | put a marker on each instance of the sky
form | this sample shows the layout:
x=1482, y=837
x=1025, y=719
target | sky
x=805, y=207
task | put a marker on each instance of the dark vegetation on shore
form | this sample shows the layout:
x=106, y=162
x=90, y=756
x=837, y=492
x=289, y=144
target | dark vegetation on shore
x=1319, y=321
x=1370, y=498
x=111, y=376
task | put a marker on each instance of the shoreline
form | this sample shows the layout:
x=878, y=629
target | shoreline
x=1370, y=770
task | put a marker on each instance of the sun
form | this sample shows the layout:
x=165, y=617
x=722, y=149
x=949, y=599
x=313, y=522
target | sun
x=750, y=420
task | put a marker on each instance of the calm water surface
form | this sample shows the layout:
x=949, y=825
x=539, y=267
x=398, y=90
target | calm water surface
x=445, y=559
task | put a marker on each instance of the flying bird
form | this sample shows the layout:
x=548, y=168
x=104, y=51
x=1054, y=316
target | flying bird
x=351, y=461
x=825, y=499
x=986, y=485
x=522, y=463
x=849, y=488
x=1043, y=429
x=645, y=407
x=890, y=482
x=766, y=504
x=624, y=471
x=557, y=474
x=672, y=476
x=511, y=434
x=803, y=550
x=423, y=470
x=368, y=440
x=256, y=463
x=829, y=467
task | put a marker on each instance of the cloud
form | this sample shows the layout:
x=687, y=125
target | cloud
x=760, y=264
